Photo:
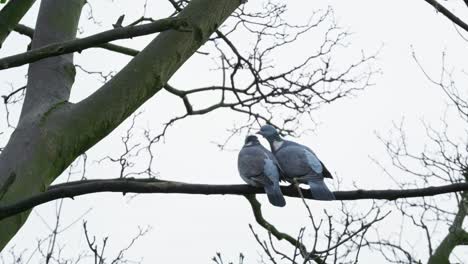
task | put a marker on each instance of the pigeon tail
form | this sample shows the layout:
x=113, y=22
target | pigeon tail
x=275, y=196
x=320, y=191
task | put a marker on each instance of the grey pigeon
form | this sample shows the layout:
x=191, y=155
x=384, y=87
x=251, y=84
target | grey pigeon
x=259, y=167
x=299, y=162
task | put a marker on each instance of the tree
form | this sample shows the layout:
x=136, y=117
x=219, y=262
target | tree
x=52, y=132
x=47, y=116
x=443, y=160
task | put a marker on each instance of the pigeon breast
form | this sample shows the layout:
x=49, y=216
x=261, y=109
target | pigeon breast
x=251, y=164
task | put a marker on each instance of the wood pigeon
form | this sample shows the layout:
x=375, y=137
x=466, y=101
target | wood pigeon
x=299, y=162
x=259, y=167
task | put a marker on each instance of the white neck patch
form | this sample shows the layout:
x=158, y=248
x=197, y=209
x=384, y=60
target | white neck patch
x=277, y=144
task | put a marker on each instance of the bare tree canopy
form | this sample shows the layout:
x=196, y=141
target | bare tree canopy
x=271, y=66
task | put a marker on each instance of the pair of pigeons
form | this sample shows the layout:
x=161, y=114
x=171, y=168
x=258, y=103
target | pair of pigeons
x=289, y=161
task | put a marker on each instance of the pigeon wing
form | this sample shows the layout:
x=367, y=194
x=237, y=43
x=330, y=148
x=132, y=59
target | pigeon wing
x=292, y=159
x=314, y=163
x=325, y=172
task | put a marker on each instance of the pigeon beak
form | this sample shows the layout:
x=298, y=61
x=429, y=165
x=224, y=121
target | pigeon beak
x=260, y=133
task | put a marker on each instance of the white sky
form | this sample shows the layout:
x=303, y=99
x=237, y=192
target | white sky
x=190, y=228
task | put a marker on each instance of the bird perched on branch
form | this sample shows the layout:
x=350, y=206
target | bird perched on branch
x=299, y=163
x=258, y=167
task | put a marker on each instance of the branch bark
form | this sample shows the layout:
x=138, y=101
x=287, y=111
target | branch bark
x=130, y=185
x=79, y=45
x=257, y=211
x=448, y=14
x=457, y=235
x=27, y=31
x=11, y=14
x=50, y=80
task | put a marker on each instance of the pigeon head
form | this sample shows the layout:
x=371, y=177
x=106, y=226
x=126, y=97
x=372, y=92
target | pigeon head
x=251, y=140
x=269, y=132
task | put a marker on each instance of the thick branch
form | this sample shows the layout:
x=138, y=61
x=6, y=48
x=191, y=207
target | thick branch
x=142, y=77
x=91, y=41
x=50, y=80
x=129, y=185
x=448, y=14
x=11, y=14
x=448, y=244
x=456, y=236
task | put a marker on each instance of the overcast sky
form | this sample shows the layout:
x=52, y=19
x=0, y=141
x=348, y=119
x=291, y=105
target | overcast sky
x=190, y=228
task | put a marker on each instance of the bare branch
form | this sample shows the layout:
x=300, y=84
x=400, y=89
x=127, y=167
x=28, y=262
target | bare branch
x=257, y=210
x=91, y=41
x=8, y=96
x=448, y=14
x=131, y=185
x=27, y=31
x=11, y=14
